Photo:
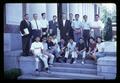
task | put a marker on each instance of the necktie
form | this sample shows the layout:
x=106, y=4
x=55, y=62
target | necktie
x=36, y=24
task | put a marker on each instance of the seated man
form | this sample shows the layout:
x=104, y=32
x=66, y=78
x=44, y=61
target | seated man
x=37, y=50
x=71, y=50
x=52, y=48
x=99, y=48
x=92, y=48
x=81, y=49
x=46, y=52
x=62, y=46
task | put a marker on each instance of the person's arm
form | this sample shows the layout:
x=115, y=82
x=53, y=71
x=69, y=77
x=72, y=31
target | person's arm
x=32, y=49
x=22, y=27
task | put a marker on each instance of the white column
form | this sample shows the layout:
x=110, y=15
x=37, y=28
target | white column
x=73, y=8
x=13, y=16
x=80, y=11
x=51, y=9
x=36, y=8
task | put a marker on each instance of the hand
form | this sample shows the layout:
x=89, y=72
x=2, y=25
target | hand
x=66, y=34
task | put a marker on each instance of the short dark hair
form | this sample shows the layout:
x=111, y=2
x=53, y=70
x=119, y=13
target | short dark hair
x=54, y=16
x=35, y=14
x=92, y=38
x=96, y=15
x=42, y=14
x=84, y=16
x=76, y=15
x=25, y=15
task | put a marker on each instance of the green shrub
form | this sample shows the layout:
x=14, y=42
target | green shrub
x=12, y=73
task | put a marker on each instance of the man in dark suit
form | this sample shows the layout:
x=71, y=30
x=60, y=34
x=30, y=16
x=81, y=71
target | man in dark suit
x=25, y=29
x=71, y=29
x=53, y=25
x=64, y=27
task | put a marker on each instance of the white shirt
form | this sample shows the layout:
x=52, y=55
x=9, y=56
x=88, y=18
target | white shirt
x=70, y=46
x=100, y=47
x=86, y=25
x=36, y=47
x=64, y=22
x=45, y=46
x=44, y=23
x=98, y=24
x=34, y=25
x=76, y=24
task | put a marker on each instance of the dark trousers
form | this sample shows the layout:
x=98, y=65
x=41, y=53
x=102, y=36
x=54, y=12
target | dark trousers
x=26, y=45
x=36, y=33
x=86, y=36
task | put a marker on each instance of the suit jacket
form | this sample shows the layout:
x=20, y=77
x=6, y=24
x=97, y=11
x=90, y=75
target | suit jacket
x=53, y=26
x=64, y=29
x=24, y=25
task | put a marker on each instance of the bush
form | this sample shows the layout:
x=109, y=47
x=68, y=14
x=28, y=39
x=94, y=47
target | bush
x=12, y=74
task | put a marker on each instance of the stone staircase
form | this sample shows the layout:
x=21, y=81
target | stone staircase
x=69, y=71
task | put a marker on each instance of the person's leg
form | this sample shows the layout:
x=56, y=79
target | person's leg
x=66, y=56
x=28, y=45
x=74, y=57
x=51, y=56
x=83, y=53
x=45, y=60
x=36, y=63
x=100, y=54
x=24, y=45
x=75, y=36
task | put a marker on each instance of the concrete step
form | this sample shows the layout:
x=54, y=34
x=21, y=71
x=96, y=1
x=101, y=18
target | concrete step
x=30, y=76
x=74, y=70
x=62, y=75
x=76, y=65
x=87, y=61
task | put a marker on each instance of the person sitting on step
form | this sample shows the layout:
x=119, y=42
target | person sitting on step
x=37, y=50
x=91, y=48
x=81, y=49
x=71, y=50
x=52, y=48
x=46, y=51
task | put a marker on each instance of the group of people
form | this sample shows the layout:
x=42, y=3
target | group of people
x=76, y=39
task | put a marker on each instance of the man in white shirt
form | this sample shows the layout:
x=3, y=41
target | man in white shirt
x=44, y=25
x=86, y=30
x=36, y=26
x=37, y=50
x=97, y=26
x=71, y=49
x=77, y=27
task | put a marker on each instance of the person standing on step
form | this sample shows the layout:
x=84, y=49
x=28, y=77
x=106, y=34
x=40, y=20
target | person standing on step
x=44, y=25
x=53, y=25
x=71, y=29
x=37, y=50
x=86, y=30
x=36, y=27
x=25, y=30
x=97, y=26
x=77, y=27
x=64, y=28
x=71, y=50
